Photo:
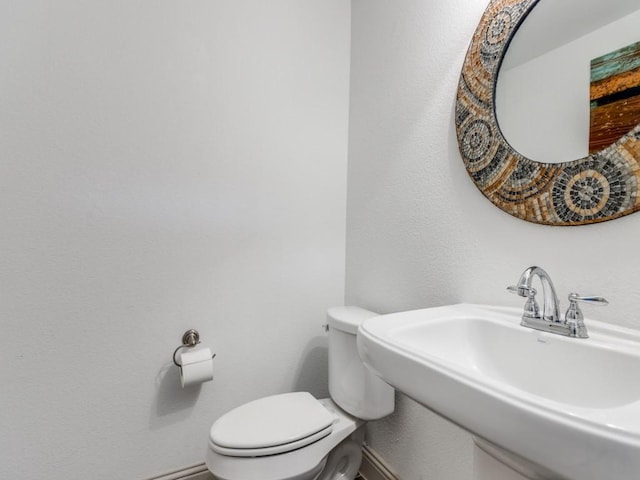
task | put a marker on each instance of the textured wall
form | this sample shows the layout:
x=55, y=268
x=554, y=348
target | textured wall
x=419, y=234
x=165, y=165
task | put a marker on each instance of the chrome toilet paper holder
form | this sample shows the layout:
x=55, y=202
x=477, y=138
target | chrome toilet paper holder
x=190, y=339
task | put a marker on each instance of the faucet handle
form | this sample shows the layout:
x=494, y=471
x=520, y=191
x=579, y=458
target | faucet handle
x=574, y=317
x=576, y=297
x=522, y=290
x=531, y=308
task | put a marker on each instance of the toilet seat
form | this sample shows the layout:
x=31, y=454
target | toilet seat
x=271, y=425
x=300, y=464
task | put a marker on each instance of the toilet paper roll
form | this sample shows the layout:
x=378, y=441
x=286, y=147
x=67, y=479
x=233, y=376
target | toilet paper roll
x=197, y=366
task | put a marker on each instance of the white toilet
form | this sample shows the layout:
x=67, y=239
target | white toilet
x=293, y=436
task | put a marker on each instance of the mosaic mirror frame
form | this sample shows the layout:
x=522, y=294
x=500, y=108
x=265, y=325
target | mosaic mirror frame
x=600, y=187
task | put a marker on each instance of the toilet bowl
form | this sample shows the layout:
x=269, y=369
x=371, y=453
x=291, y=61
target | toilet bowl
x=301, y=463
x=294, y=436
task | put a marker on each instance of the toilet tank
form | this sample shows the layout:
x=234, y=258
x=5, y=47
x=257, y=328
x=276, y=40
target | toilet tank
x=351, y=385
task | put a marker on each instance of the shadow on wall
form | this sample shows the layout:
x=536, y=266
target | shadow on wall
x=313, y=370
x=173, y=403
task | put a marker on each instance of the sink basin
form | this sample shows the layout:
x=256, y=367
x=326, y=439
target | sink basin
x=551, y=407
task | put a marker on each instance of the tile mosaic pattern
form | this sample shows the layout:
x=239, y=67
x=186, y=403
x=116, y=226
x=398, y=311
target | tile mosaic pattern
x=600, y=187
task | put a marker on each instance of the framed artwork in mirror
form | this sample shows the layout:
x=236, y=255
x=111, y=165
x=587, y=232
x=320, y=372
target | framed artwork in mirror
x=614, y=96
x=599, y=187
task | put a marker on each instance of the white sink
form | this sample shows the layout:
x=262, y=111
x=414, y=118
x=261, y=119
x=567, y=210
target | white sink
x=557, y=407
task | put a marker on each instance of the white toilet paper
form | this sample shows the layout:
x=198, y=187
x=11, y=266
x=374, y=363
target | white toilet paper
x=197, y=365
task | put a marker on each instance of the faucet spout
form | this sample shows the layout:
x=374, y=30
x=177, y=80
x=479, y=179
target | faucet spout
x=551, y=306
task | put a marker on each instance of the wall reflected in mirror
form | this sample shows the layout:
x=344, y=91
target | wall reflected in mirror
x=543, y=100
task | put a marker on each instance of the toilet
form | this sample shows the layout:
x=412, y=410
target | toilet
x=294, y=436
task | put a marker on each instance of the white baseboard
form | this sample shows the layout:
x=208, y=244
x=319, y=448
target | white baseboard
x=373, y=467
x=194, y=472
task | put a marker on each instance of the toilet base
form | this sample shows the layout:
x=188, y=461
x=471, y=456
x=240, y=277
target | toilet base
x=343, y=462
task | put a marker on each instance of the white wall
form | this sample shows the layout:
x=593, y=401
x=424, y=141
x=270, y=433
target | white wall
x=420, y=234
x=164, y=165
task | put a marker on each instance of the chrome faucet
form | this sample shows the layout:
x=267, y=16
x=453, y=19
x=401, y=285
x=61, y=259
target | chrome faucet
x=550, y=321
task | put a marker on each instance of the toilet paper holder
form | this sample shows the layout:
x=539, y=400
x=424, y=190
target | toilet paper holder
x=190, y=339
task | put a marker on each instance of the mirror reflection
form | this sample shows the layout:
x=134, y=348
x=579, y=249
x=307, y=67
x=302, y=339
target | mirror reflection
x=542, y=98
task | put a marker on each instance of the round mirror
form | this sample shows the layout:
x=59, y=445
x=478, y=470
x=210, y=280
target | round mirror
x=532, y=159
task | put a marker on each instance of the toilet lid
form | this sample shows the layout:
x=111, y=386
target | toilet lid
x=271, y=425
